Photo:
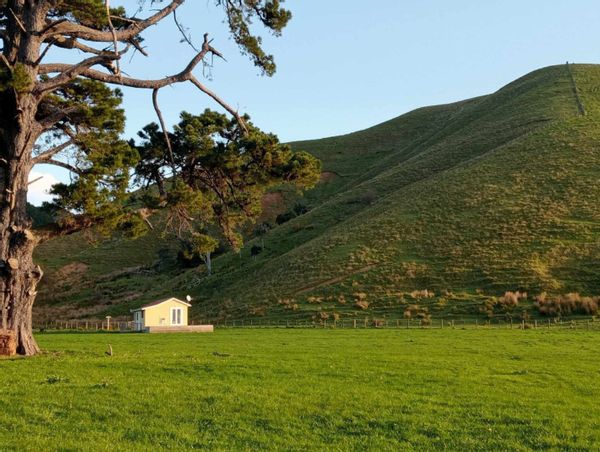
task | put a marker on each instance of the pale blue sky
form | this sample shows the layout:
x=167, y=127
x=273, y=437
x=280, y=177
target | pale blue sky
x=344, y=65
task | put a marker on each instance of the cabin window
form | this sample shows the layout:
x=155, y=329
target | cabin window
x=176, y=316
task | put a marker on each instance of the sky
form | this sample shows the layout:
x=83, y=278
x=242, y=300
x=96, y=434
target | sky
x=345, y=65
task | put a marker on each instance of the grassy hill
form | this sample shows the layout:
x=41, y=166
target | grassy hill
x=466, y=200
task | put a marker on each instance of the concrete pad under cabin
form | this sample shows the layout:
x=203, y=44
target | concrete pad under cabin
x=180, y=329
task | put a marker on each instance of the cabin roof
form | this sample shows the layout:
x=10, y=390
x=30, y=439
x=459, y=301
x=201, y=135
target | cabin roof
x=156, y=303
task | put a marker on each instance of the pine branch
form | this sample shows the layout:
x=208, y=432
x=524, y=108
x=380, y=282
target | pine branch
x=80, y=31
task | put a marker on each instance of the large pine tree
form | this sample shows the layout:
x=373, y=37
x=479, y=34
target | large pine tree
x=210, y=168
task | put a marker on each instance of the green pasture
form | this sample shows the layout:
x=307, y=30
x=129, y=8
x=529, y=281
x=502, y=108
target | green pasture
x=305, y=389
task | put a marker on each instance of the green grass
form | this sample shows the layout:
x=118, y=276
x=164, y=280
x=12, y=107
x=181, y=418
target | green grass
x=469, y=200
x=305, y=390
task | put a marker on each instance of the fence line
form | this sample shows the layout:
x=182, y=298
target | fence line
x=363, y=323
x=366, y=323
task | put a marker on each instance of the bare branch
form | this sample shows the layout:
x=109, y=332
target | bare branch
x=83, y=69
x=5, y=61
x=186, y=38
x=90, y=34
x=138, y=47
x=44, y=52
x=35, y=180
x=164, y=129
x=126, y=81
x=18, y=21
x=41, y=158
x=51, y=25
x=71, y=72
x=53, y=117
x=114, y=36
x=64, y=165
x=72, y=43
x=221, y=102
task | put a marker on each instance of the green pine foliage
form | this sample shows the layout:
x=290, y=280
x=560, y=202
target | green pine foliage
x=222, y=172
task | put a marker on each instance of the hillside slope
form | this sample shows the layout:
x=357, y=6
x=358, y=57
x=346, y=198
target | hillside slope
x=466, y=200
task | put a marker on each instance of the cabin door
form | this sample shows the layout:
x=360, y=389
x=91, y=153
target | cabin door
x=176, y=316
x=138, y=320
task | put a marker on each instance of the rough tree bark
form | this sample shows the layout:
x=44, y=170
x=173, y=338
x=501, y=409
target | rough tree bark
x=19, y=275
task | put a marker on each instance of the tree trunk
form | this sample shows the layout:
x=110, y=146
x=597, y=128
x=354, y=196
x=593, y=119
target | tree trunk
x=208, y=262
x=19, y=276
x=19, y=131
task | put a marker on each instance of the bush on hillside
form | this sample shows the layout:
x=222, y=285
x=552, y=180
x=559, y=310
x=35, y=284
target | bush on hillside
x=418, y=294
x=360, y=300
x=505, y=304
x=262, y=228
x=298, y=210
x=417, y=312
x=563, y=305
x=284, y=217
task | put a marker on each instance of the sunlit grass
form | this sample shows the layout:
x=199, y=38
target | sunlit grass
x=305, y=389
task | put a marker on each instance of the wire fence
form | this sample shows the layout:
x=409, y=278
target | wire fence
x=365, y=323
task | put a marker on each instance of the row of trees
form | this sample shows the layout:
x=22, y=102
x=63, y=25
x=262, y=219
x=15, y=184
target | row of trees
x=208, y=173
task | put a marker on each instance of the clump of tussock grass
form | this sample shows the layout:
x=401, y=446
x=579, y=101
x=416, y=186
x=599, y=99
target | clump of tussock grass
x=505, y=304
x=360, y=300
x=564, y=305
x=288, y=303
x=420, y=313
x=425, y=293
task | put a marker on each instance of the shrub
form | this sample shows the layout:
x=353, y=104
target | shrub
x=322, y=316
x=563, y=305
x=360, y=299
x=300, y=209
x=288, y=304
x=418, y=294
x=262, y=229
x=511, y=299
x=362, y=304
x=284, y=217
x=419, y=313
x=425, y=320
x=504, y=304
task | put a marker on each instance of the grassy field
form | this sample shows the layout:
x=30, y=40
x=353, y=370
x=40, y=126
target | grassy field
x=305, y=390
